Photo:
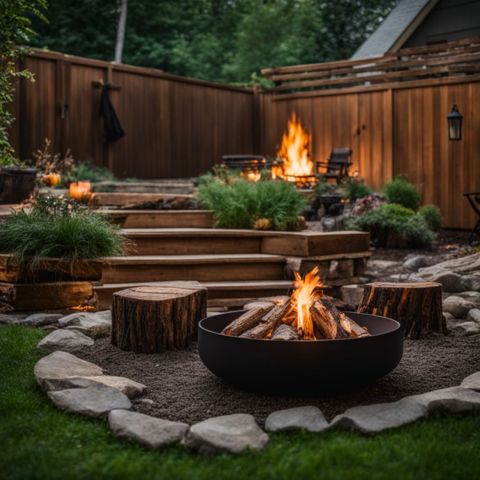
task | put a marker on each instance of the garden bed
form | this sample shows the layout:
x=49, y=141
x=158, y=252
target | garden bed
x=182, y=389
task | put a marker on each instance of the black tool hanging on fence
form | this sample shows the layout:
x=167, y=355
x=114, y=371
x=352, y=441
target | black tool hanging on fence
x=113, y=128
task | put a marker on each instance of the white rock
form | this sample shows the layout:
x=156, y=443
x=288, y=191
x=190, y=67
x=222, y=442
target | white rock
x=467, y=328
x=228, y=433
x=64, y=340
x=451, y=282
x=41, y=319
x=461, y=265
x=457, y=306
x=11, y=318
x=474, y=315
x=128, y=387
x=59, y=365
x=93, y=401
x=352, y=294
x=473, y=297
x=472, y=282
x=378, y=417
x=149, y=431
x=308, y=418
x=472, y=381
x=454, y=399
x=94, y=325
x=415, y=262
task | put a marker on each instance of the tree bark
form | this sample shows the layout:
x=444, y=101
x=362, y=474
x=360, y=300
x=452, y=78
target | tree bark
x=417, y=306
x=269, y=322
x=122, y=21
x=152, y=319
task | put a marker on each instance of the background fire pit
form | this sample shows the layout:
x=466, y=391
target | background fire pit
x=291, y=367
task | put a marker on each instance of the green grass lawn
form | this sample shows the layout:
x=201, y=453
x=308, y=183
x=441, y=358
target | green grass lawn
x=39, y=442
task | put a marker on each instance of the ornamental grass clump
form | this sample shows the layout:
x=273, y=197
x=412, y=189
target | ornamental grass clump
x=243, y=204
x=60, y=228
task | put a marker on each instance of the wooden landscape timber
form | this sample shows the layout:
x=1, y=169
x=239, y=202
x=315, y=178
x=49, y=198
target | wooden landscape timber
x=417, y=306
x=153, y=319
x=46, y=296
x=129, y=199
x=48, y=269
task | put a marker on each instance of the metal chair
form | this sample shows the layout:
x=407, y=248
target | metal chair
x=337, y=165
x=474, y=200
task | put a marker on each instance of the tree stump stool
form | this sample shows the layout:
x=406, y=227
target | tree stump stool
x=150, y=319
x=417, y=306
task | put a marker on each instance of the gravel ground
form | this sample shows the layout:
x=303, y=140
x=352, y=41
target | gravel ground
x=183, y=389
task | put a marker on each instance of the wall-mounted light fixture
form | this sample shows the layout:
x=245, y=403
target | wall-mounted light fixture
x=454, y=124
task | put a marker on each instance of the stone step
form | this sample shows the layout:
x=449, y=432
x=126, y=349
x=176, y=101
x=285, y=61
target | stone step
x=202, y=268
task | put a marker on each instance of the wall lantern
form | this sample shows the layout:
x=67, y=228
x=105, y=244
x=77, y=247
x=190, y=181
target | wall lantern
x=455, y=124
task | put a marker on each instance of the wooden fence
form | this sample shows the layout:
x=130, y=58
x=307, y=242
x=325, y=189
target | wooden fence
x=175, y=127
x=390, y=110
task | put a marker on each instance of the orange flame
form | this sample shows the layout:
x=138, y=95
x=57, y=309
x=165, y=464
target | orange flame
x=305, y=293
x=83, y=308
x=295, y=151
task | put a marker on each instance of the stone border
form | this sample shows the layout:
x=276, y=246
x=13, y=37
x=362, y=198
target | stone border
x=78, y=386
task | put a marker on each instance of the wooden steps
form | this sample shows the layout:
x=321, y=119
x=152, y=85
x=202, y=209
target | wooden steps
x=122, y=198
x=202, y=268
x=161, y=218
x=180, y=241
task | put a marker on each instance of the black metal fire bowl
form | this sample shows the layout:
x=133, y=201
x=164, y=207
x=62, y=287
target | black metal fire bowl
x=301, y=366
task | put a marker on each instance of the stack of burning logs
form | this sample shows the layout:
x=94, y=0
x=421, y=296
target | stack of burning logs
x=306, y=315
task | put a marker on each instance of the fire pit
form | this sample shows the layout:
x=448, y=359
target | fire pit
x=302, y=343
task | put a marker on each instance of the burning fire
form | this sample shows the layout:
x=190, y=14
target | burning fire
x=295, y=152
x=307, y=291
x=83, y=308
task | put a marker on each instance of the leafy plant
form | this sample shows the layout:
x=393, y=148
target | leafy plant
x=394, y=224
x=59, y=227
x=356, y=188
x=432, y=216
x=242, y=204
x=87, y=171
x=324, y=188
x=46, y=162
x=366, y=204
x=402, y=192
x=15, y=31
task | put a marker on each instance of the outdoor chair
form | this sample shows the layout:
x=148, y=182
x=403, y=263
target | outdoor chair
x=337, y=164
x=474, y=200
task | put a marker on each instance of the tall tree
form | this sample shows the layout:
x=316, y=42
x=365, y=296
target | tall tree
x=122, y=21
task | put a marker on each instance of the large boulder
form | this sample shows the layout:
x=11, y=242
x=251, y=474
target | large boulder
x=375, y=418
x=450, y=281
x=64, y=340
x=457, y=306
x=228, y=433
x=94, y=401
x=149, y=431
x=462, y=266
x=60, y=365
x=307, y=418
x=95, y=325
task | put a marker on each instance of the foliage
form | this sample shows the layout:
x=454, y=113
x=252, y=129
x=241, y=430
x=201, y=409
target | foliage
x=227, y=41
x=40, y=441
x=324, y=188
x=46, y=162
x=88, y=171
x=432, y=216
x=15, y=31
x=59, y=227
x=242, y=203
x=403, y=192
x=355, y=188
x=391, y=222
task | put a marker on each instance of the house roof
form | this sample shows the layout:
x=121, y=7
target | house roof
x=396, y=28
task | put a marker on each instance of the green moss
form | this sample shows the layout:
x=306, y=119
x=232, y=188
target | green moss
x=40, y=442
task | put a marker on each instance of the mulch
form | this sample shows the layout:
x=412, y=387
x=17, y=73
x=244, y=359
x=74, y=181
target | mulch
x=182, y=388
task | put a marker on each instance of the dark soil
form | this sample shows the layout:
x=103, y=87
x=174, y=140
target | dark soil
x=183, y=389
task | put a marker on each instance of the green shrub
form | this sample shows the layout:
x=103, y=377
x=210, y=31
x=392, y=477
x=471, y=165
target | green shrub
x=355, y=189
x=56, y=227
x=403, y=192
x=394, y=224
x=87, y=171
x=323, y=188
x=241, y=204
x=432, y=216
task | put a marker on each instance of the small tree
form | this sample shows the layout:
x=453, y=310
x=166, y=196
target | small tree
x=15, y=31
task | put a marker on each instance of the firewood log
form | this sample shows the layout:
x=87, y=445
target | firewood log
x=269, y=322
x=246, y=321
x=354, y=329
x=285, y=332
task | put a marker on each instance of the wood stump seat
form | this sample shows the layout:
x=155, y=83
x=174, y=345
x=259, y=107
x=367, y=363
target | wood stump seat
x=151, y=319
x=417, y=306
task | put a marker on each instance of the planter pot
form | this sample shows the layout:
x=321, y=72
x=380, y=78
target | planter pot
x=16, y=184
